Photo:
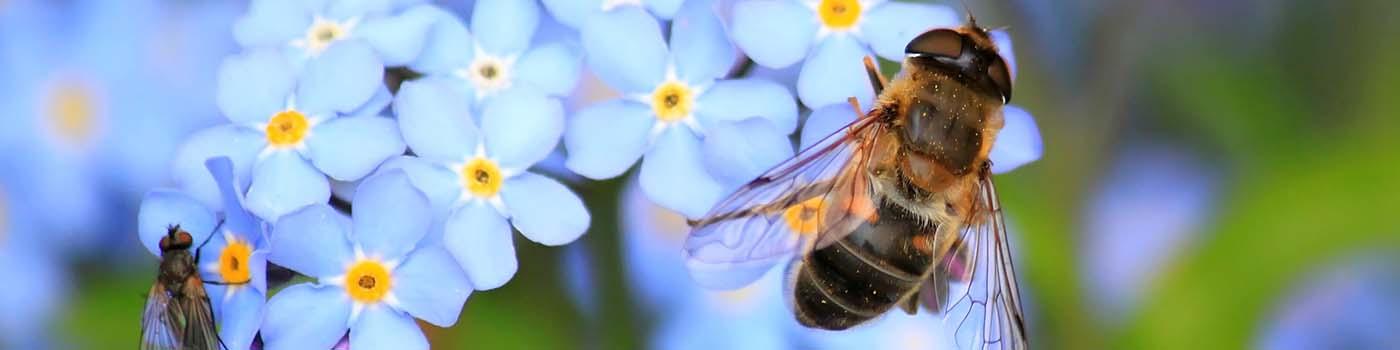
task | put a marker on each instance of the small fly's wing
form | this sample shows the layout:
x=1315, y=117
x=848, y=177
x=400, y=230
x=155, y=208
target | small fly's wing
x=160, y=328
x=974, y=288
x=760, y=224
x=199, y=329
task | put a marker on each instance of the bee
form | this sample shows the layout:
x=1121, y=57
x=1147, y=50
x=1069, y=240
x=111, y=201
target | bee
x=896, y=209
x=178, y=314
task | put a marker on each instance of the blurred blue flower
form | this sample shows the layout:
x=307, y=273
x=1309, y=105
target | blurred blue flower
x=830, y=37
x=1017, y=144
x=753, y=317
x=1151, y=205
x=371, y=277
x=287, y=133
x=231, y=250
x=894, y=330
x=36, y=279
x=497, y=53
x=574, y=13
x=477, y=178
x=701, y=136
x=307, y=28
x=1352, y=306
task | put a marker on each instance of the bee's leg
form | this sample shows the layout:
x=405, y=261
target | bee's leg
x=200, y=248
x=876, y=80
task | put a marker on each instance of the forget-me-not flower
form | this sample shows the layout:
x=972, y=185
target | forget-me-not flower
x=1352, y=304
x=289, y=132
x=574, y=13
x=372, y=277
x=307, y=28
x=701, y=135
x=497, y=54
x=37, y=280
x=830, y=37
x=477, y=178
x=230, y=248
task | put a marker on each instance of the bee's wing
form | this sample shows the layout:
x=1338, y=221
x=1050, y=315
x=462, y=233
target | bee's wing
x=159, y=329
x=199, y=316
x=743, y=236
x=974, y=289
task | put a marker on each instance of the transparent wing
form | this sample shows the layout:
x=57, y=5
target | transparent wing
x=817, y=197
x=159, y=331
x=974, y=288
x=199, y=329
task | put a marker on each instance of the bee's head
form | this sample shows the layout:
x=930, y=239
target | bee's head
x=967, y=52
x=175, y=239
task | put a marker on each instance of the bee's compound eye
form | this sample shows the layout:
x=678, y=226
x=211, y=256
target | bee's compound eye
x=1000, y=76
x=937, y=42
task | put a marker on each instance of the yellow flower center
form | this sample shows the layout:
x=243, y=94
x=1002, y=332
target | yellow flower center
x=806, y=218
x=72, y=112
x=481, y=177
x=839, y=14
x=368, y=282
x=233, y=262
x=671, y=101
x=322, y=33
x=287, y=128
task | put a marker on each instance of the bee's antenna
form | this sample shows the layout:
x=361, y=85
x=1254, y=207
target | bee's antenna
x=971, y=20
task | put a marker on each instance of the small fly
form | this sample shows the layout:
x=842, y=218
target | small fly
x=178, y=314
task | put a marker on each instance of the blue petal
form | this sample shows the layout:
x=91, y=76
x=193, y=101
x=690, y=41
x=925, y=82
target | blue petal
x=732, y=100
x=604, y=139
x=699, y=46
x=674, y=176
x=448, y=46
x=551, y=68
x=271, y=23
x=430, y=286
x=161, y=209
x=441, y=185
x=242, y=315
x=573, y=13
x=544, y=210
x=340, y=79
x=237, y=143
x=1018, y=143
x=481, y=241
x=313, y=241
x=624, y=47
x=739, y=151
x=376, y=104
x=346, y=9
x=254, y=85
x=236, y=218
x=435, y=123
x=349, y=148
x=284, y=182
x=773, y=33
x=257, y=269
x=381, y=327
x=391, y=215
x=665, y=9
x=305, y=317
x=399, y=39
x=835, y=73
x=826, y=121
x=522, y=127
x=889, y=26
x=504, y=27
x=1003, y=43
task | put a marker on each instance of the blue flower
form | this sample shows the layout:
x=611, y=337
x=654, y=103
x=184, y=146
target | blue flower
x=497, y=54
x=1149, y=207
x=287, y=133
x=477, y=178
x=372, y=279
x=701, y=136
x=832, y=36
x=689, y=317
x=231, y=250
x=306, y=29
x=1353, y=305
x=574, y=13
x=895, y=330
x=36, y=278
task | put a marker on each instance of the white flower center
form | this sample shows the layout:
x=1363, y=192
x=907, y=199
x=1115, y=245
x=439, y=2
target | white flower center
x=488, y=74
x=608, y=5
x=322, y=33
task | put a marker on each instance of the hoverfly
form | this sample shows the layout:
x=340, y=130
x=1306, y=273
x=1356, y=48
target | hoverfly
x=178, y=314
x=896, y=209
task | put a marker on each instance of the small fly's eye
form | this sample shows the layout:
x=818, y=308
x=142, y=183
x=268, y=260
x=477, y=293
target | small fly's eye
x=937, y=42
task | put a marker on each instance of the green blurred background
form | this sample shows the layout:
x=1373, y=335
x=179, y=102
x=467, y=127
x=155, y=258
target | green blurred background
x=1289, y=108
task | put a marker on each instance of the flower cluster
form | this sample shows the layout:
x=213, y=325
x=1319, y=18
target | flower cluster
x=388, y=150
